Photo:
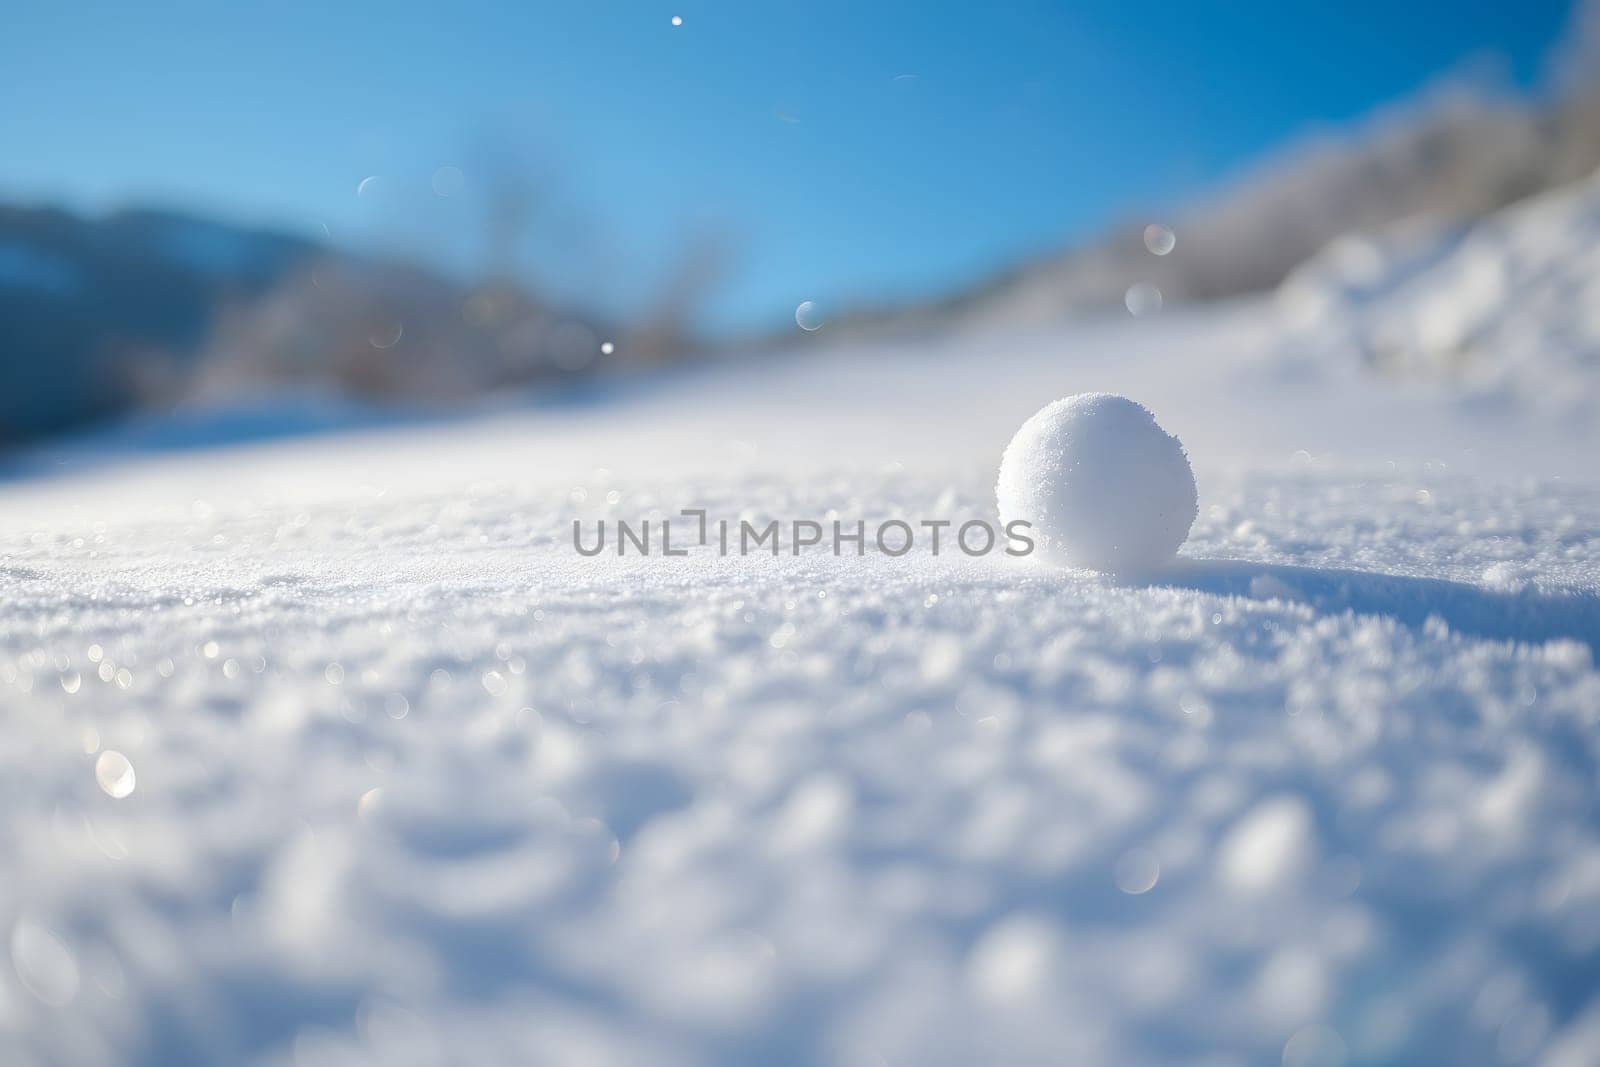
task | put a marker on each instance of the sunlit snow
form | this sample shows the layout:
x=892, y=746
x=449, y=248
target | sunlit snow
x=417, y=783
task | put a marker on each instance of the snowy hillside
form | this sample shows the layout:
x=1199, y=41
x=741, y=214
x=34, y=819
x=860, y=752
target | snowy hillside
x=335, y=751
x=1507, y=309
x=1454, y=154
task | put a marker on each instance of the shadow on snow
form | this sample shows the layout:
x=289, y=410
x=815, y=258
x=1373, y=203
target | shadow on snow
x=1528, y=616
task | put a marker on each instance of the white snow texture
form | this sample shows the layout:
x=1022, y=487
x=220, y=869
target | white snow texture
x=333, y=751
x=1102, y=485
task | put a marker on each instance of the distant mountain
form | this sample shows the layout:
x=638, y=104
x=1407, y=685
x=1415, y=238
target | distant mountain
x=140, y=310
x=87, y=307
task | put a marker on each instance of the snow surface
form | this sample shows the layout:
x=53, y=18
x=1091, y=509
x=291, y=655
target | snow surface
x=404, y=779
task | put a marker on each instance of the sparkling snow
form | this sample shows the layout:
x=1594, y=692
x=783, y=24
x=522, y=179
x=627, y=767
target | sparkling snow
x=334, y=751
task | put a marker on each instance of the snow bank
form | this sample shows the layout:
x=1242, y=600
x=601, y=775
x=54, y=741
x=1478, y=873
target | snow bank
x=1507, y=310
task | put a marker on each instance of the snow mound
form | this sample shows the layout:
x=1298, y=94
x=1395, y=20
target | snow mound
x=1102, y=484
x=1507, y=309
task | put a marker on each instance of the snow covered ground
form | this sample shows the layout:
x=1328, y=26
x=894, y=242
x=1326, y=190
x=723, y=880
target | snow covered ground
x=333, y=750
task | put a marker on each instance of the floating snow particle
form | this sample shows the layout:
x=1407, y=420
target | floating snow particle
x=1159, y=239
x=1101, y=483
x=45, y=966
x=677, y=20
x=606, y=348
x=447, y=181
x=1268, y=847
x=1137, y=871
x=114, y=773
x=386, y=334
x=1142, y=299
x=1314, y=1046
x=808, y=316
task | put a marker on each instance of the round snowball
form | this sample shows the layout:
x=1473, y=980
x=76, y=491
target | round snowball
x=1102, y=484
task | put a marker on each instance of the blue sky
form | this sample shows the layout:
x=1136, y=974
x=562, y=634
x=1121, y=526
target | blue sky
x=837, y=151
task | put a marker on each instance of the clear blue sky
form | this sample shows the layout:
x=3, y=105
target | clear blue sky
x=788, y=131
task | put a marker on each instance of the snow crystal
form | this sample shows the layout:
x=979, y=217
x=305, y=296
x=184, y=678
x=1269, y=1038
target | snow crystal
x=1506, y=577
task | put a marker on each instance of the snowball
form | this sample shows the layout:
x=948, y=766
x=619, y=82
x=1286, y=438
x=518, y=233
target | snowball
x=1101, y=483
